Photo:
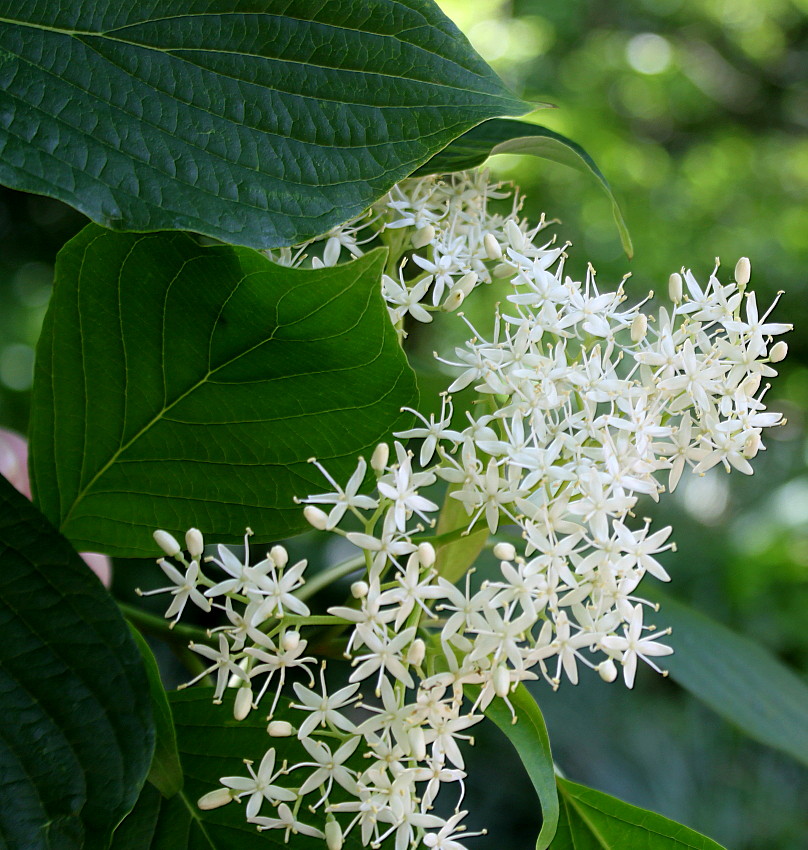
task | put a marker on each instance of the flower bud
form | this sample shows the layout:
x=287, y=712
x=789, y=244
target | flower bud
x=331, y=252
x=423, y=236
x=417, y=743
x=416, y=652
x=743, y=271
x=778, y=352
x=426, y=554
x=359, y=589
x=167, y=542
x=315, y=517
x=453, y=300
x=493, y=249
x=515, y=235
x=502, y=681
x=279, y=556
x=501, y=270
x=333, y=835
x=751, y=384
x=243, y=703
x=504, y=551
x=380, y=456
x=607, y=670
x=639, y=327
x=194, y=543
x=280, y=729
x=675, y=287
x=290, y=640
x=214, y=799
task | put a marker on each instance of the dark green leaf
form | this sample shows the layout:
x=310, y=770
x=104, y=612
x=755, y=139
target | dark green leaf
x=531, y=741
x=78, y=732
x=592, y=820
x=256, y=123
x=736, y=677
x=178, y=386
x=213, y=745
x=166, y=771
x=503, y=135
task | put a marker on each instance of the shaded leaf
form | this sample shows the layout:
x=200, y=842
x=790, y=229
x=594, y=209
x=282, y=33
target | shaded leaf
x=592, y=820
x=166, y=772
x=78, y=732
x=503, y=135
x=179, y=386
x=736, y=677
x=257, y=124
x=532, y=743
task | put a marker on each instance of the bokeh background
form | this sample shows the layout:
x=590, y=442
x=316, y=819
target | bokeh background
x=696, y=111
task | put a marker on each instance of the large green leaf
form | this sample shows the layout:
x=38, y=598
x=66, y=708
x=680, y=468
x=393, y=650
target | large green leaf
x=77, y=734
x=213, y=745
x=256, y=122
x=592, y=820
x=736, y=677
x=503, y=135
x=165, y=773
x=179, y=385
x=531, y=741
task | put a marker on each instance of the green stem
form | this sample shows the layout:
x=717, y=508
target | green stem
x=161, y=627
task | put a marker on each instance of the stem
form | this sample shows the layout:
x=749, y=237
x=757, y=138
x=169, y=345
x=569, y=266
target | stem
x=327, y=576
x=161, y=627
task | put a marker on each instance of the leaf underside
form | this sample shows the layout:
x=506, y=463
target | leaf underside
x=78, y=734
x=182, y=386
x=261, y=124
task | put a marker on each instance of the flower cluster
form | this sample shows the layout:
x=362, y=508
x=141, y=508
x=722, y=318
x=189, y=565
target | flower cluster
x=588, y=404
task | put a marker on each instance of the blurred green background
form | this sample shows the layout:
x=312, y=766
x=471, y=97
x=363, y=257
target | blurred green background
x=696, y=111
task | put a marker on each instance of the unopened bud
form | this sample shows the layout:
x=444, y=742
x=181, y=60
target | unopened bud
x=501, y=270
x=515, y=235
x=167, y=542
x=675, y=287
x=359, y=589
x=607, y=670
x=751, y=385
x=639, y=327
x=331, y=252
x=752, y=446
x=290, y=640
x=423, y=236
x=417, y=743
x=280, y=729
x=243, y=703
x=194, y=543
x=333, y=835
x=426, y=554
x=779, y=352
x=315, y=517
x=743, y=271
x=380, y=456
x=279, y=556
x=493, y=249
x=453, y=300
x=504, y=551
x=416, y=652
x=502, y=681
x=214, y=799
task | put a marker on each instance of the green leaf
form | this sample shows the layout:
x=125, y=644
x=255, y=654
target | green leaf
x=531, y=741
x=179, y=386
x=212, y=744
x=736, y=677
x=458, y=550
x=256, y=123
x=503, y=135
x=166, y=772
x=592, y=820
x=79, y=735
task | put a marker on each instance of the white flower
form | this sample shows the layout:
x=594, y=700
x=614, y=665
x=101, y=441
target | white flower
x=287, y=821
x=343, y=499
x=632, y=646
x=185, y=588
x=259, y=785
